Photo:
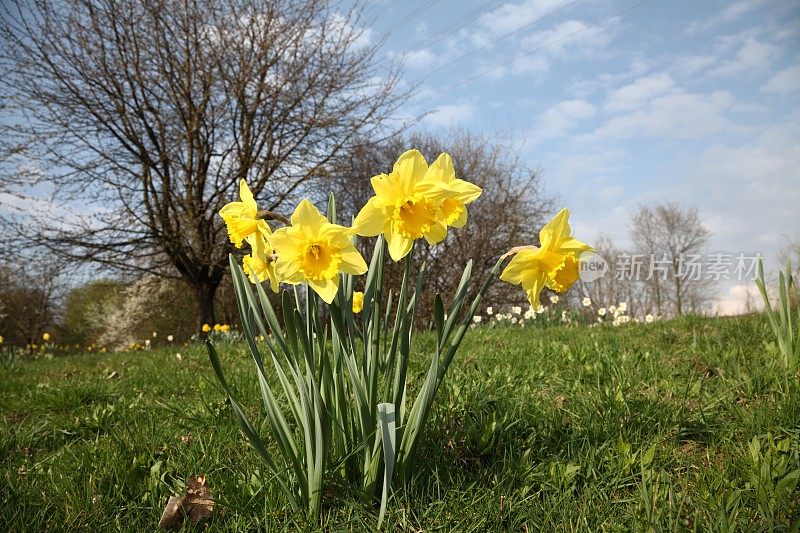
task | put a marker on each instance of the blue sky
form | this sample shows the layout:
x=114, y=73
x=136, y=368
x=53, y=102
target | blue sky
x=622, y=102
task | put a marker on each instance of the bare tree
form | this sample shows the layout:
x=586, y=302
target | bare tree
x=29, y=300
x=669, y=234
x=141, y=116
x=611, y=288
x=510, y=212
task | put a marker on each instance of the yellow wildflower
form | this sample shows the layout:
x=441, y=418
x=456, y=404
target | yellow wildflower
x=409, y=203
x=259, y=265
x=553, y=265
x=224, y=327
x=206, y=328
x=241, y=217
x=2, y=340
x=358, y=301
x=217, y=327
x=45, y=336
x=314, y=251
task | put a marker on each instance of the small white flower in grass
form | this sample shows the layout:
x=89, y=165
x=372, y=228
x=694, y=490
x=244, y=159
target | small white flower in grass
x=554, y=299
x=477, y=318
x=623, y=307
x=587, y=301
x=612, y=308
x=170, y=338
x=516, y=310
x=499, y=317
x=178, y=356
x=601, y=311
x=540, y=309
x=155, y=334
x=649, y=318
x=513, y=320
x=529, y=314
x=147, y=342
x=489, y=311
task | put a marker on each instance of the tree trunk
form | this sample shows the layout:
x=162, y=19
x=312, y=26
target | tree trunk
x=205, y=291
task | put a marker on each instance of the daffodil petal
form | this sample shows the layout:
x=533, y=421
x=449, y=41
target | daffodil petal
x=437, y=233
x=465, y=191
x=519, y=265
x=574, y=246
x=556, y=230
x=442, y=169
x=307, y=216
x=410, y=169
x=461, y=221
x=247, y=196
x=398, y=244
x=352, y=262
x=386, y=188
x=326, y=288
x=370, y=220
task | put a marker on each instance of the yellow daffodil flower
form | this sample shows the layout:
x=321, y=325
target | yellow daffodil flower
x=457, y=193
x=553, y=265
x=241, y=217
x=259, y=265
x=314, y=251
x=2, y=340
x=206, y=328
x=217, y=327
x=358, y=301
x=45, y=336
x=408, y=203
x=225, y=327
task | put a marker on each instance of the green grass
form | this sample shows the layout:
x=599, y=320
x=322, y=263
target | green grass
x=670, y=426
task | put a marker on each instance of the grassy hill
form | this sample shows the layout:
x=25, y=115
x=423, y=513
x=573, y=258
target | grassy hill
x=676, y=425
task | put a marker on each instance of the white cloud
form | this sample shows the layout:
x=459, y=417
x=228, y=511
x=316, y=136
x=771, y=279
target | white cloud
x=638, y=93
x=562, y=117
x=451, y=114
x=536, y=64
x=675, y=114
x=690, y=65
x=753, y=57
x=731, y=13
x=572, y=36
x=741, y=298
x=420, y=59
x=786, y=81
x=510, y=17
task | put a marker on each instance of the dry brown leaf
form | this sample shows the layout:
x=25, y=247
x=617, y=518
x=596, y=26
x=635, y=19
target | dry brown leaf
x=197, y=504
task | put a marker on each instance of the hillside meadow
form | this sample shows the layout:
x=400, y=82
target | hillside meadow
x=676, y=425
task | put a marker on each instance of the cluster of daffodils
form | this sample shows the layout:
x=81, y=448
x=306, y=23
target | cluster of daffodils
x=207, y=328
x=516, y=316
x=414, y=201
x=553, y=313
x=617, y=315
x=362, y=414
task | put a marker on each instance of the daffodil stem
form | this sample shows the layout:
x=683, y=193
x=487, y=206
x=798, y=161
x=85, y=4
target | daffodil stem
x=272, y=215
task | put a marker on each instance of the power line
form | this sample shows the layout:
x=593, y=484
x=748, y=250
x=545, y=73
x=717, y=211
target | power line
x=414, y=13
x=385, y=8
x=472, y=52
x=472, y=78
x=447, y=29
